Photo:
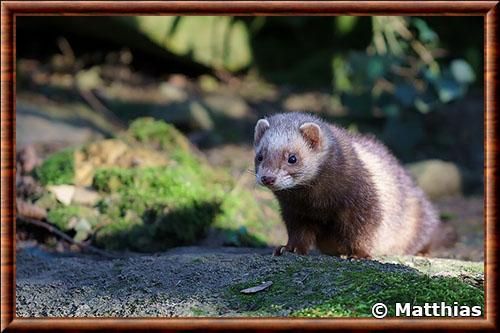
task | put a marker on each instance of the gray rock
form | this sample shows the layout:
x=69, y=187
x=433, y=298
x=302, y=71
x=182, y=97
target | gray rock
x=41, y=121
x=197, y=281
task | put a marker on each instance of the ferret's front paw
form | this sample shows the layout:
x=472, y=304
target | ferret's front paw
x=294, y=249
x=279, y=250
x=357, y=256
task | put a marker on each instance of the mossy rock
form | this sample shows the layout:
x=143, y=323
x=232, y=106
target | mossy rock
x=158, y=134
x=153, y=209
x=207, y=281
x=371, y=287
x=157, y=192
x=79, y=221
x=333, y=287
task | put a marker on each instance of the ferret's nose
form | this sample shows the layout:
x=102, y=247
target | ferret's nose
x=268, y=180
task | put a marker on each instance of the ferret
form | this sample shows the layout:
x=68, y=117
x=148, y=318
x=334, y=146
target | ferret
x=341, y=192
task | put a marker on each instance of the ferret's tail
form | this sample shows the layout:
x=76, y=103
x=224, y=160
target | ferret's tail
x=445, y=236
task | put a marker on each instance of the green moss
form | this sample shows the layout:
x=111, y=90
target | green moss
x=373, y=287
x=347, y=288
x=58, y=168
x=282, y=295
x=429, y=266
x=176, y=205
x=158, y=134
x=243, y=220
x=111, y=179
x=47, y=201
x=61, y=216
x=155, y=208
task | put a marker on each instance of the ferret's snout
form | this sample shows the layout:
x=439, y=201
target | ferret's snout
x=268, y=180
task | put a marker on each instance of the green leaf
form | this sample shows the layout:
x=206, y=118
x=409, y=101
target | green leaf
x=462, y=71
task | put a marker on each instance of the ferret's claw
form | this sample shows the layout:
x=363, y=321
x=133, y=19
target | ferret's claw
x=279, y=251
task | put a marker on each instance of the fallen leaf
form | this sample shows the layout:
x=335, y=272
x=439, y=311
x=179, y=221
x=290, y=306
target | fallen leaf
x=260, y=287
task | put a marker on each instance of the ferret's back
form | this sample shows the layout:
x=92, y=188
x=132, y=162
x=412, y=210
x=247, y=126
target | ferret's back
x=408, y=219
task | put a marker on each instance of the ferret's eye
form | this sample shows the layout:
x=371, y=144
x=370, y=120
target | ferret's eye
x=292, y=159
x=260, y=157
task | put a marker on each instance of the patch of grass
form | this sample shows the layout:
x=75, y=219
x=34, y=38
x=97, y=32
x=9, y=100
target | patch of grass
x=306, y=289
x=57, y=169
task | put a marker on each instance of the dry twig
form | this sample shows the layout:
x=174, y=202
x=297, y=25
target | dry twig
x=49, y=227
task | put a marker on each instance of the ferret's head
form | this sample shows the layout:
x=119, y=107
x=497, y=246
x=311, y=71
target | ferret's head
x=289, y=150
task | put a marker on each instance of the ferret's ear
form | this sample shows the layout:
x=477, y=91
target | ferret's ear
x=312, y=133
x=260, y=129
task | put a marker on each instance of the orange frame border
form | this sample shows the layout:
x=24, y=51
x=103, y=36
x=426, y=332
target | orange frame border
x=10, y=9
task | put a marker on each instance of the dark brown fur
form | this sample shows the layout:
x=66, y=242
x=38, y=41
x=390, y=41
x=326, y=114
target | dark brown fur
x=324, y=207
x=340, y=210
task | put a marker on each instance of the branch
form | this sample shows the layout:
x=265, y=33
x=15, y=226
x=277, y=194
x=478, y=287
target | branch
x=49, y=227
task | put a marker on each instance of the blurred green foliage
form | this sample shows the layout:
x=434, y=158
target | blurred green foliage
x=79, y=220
x=215, y=41
x=398, y=78
x=386, y=72
x=58, y=169
x=285, y=50
x=159, y=134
